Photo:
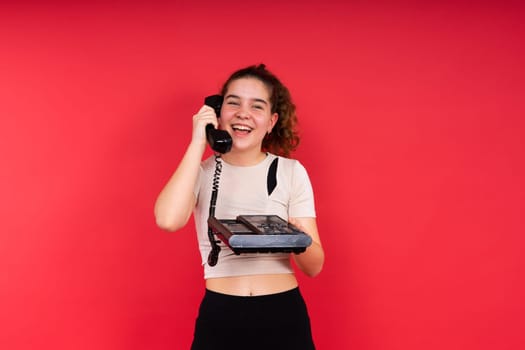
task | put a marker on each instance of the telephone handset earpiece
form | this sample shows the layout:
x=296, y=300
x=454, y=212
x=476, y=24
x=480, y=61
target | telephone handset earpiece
x=219, y=140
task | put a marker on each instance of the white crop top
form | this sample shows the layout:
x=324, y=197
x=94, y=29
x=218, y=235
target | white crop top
x=243, y=190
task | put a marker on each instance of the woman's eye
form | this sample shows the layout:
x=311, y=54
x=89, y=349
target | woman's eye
x=258, y=107
x=232, y=103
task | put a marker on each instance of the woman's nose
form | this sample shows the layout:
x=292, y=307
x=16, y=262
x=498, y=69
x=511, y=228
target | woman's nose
x=242, y=113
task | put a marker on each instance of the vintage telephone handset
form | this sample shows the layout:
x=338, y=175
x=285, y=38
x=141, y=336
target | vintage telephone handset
x=219, y=140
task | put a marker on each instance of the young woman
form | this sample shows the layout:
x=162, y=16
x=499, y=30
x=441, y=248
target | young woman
x=252, y=300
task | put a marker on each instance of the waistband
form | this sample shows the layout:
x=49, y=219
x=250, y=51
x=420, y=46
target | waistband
x=288, y=293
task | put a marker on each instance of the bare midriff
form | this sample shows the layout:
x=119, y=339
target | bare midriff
x=252, y=285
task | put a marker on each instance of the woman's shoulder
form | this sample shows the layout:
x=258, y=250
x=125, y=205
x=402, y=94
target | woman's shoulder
x=289, y=164
x=282, y=158
x=208, y=163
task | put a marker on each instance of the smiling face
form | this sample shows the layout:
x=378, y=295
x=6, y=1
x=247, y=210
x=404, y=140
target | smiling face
x=246, y=114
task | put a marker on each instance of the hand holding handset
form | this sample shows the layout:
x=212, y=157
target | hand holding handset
x=219, y=140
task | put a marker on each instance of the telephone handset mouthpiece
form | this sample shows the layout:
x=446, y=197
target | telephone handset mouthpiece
x=219, y=140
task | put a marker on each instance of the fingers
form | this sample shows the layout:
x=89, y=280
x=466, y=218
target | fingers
x=296, y=223
x=205, y=115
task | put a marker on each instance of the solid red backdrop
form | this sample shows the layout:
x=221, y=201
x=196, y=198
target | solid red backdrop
x=412, y=125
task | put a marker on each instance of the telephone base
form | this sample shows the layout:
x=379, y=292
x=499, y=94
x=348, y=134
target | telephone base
x=260, y=234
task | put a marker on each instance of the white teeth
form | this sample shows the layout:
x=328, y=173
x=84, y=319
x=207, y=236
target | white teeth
x=241, y=128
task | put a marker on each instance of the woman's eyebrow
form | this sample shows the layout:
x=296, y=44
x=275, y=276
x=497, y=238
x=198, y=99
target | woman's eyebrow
x=231, y=96
x=253, y=99
x=260, y=100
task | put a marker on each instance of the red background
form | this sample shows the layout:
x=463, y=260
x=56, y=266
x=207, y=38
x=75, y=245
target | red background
x=412, y=118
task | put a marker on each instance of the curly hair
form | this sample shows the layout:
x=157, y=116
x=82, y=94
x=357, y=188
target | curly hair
x=284, y=137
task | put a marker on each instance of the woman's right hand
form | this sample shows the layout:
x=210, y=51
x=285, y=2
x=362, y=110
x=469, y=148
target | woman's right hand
x=205, y=115
x=176, y=201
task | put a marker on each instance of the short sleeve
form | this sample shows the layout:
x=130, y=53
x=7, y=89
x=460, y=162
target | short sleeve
x=302, y=197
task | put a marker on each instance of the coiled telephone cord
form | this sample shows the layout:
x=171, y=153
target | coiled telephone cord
x=213, y=257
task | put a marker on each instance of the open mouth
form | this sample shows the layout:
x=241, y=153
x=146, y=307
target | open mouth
x=241, y=128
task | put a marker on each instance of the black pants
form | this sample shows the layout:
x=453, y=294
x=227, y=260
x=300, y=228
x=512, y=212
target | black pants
x=275, y=321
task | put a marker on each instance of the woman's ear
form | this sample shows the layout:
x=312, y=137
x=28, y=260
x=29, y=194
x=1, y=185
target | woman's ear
x=273, y=121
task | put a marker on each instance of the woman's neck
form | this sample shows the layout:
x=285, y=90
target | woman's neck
x=244, y=158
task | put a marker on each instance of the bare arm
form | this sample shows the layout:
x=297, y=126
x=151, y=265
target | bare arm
x=176, y=201
x=311, y=261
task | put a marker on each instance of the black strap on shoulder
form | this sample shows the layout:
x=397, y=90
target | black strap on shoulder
x=272, y=176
